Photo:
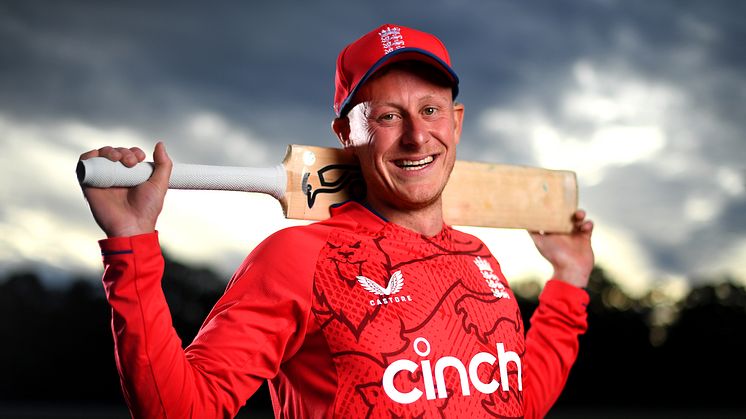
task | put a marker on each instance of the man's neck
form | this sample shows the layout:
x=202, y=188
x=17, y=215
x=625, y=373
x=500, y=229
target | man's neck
x=427, y=220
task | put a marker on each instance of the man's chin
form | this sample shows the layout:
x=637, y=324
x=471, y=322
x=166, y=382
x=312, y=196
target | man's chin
x=418, y=200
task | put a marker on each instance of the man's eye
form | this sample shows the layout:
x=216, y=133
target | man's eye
x=430, y=110
x=387, y=117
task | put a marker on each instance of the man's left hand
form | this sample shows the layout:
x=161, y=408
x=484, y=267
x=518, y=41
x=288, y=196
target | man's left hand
x=570, y=254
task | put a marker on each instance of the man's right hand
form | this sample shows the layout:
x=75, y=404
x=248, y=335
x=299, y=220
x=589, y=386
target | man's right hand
x=122, y=212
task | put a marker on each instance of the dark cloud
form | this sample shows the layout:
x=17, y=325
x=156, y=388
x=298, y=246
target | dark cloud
x=734, y=218
x=110, y=61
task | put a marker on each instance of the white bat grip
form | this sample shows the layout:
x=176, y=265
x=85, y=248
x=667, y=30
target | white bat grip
x=100, y=172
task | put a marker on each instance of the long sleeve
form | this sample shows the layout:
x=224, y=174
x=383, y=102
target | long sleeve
x=552, y=344
x=258, y=323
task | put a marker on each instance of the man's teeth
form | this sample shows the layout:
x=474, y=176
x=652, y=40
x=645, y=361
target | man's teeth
x=414, y=164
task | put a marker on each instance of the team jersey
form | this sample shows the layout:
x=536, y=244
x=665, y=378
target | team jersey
x=352, y=317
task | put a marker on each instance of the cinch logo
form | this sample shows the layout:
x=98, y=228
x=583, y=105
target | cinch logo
x=396, y=283
x=434, y=380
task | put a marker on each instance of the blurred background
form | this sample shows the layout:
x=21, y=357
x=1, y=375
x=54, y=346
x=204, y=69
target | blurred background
x=643, y=100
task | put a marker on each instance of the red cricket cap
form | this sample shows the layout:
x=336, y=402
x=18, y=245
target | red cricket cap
x=382, y=46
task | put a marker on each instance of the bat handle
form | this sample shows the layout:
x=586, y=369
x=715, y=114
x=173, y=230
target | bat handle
x=100, y=172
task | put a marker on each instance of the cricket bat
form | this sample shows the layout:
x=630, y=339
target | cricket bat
x=310, y=179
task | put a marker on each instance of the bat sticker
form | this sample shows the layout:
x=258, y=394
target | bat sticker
x=350, y=178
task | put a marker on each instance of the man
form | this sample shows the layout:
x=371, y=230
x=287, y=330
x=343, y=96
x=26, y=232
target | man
x=380, y=311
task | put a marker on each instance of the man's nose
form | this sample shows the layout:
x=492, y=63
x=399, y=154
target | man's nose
x=415, y=132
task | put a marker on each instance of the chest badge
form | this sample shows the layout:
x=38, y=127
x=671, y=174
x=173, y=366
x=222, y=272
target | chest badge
x=498, y=289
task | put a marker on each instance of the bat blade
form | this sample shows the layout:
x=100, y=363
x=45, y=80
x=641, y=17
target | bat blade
x=506, y=196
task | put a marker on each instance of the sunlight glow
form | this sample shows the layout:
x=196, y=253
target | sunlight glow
x=218, y=228
x=515, y=251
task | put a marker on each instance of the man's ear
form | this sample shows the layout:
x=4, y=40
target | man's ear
x=341, y=128
x=458, y=120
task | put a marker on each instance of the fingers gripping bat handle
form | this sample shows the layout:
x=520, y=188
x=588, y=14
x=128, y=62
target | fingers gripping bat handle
x=100, y=172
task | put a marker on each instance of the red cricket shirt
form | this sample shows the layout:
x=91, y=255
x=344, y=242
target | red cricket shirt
x=351, y=317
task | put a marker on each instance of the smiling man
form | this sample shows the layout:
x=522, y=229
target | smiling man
x=383, y=310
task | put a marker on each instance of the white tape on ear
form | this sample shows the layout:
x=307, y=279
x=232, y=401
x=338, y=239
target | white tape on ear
x=100, y=172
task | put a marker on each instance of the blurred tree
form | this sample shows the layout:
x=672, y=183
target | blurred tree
x=703, y=356
x=58, y=344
